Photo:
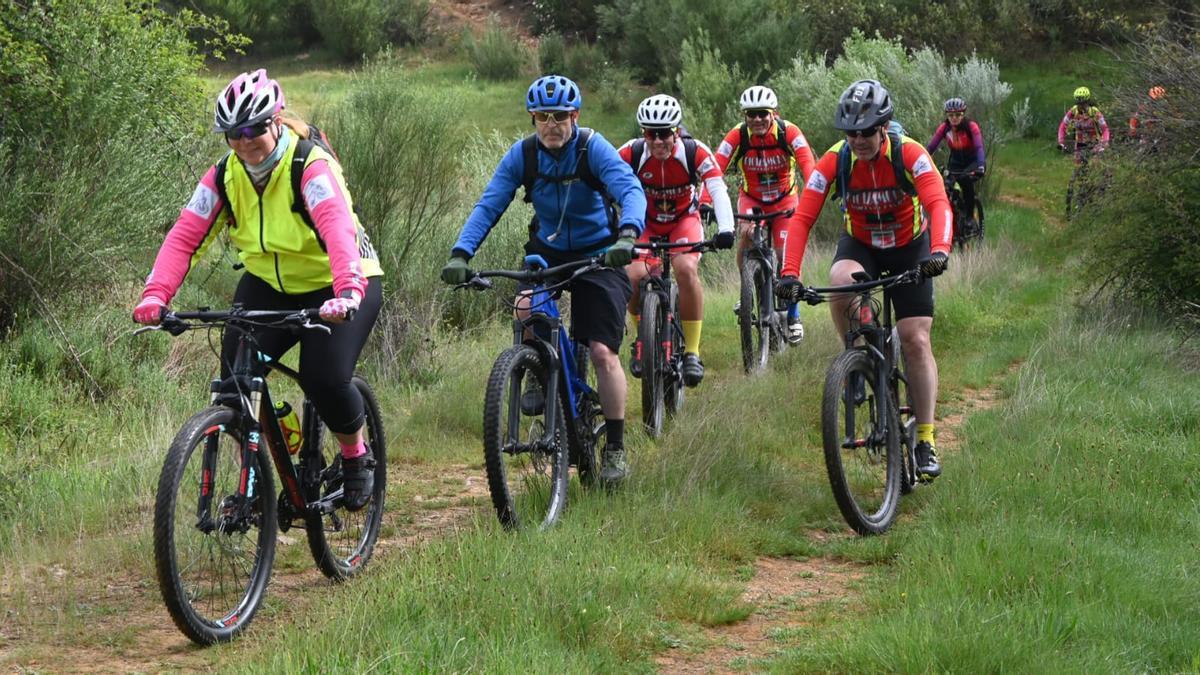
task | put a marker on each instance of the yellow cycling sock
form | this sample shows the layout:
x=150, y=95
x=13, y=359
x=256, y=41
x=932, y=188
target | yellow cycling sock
x=925, y=433
x=691, y=336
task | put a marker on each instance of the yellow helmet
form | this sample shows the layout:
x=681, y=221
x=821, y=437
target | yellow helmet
x=1083, y=94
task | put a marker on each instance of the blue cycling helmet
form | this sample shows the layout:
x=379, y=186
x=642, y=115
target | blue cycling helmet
x=553, y=92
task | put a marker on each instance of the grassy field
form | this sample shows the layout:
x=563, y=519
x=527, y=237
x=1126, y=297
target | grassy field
x=1057, y=540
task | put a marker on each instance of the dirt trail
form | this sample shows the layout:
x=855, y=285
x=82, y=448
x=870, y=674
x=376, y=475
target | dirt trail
x=785, y=592
x=135, y=633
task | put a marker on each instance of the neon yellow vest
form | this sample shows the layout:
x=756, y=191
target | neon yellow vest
x=274, y=242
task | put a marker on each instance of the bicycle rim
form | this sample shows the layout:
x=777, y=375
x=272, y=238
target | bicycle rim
x=906, y=416
x=650, y=332
x=589, y=422
x=214, y=563
x=343, y=541
x=527, y=476
x=862, y=448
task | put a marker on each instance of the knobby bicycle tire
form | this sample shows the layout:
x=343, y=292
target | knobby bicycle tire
x=906, y=416
x=862, y=459
x=197, y=569
x=590, y=427
x=753, y=326
x=343, y=541
x=650, y=333
x=674, y=391
x=527, y=480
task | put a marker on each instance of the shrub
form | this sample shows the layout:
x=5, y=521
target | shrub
x=573, y=18
x=1140, y=236
x=96, y=163
x=552, y=54
x=497, y=54
x=757, y=35
x=709, y=89
x=273, y=26
x=358, y=28
x=919, y=82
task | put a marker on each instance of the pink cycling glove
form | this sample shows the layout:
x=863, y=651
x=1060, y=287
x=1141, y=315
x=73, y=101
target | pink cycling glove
x=149, y=311
x=334, y=310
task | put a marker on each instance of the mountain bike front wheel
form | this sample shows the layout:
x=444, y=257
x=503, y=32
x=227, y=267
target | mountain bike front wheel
x=673, y=387
x=213, y=550
x=526, y=469
x=754, y=325
x=343, y=541
x=651, y=330
x=862, y=444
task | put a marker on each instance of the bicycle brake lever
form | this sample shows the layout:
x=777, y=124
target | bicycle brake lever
x=316, y=326
x=143, y=329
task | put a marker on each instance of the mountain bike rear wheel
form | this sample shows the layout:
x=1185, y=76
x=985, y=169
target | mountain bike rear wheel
x=590, y=425
x=213, y=551
x=651, y=331
x=527, y=473
x=342, y=541
x=862, y=444
x=753, y=324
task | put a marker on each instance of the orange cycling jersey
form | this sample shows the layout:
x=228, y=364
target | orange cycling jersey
x=669, y=192
x=877, y=211
x=768, y=171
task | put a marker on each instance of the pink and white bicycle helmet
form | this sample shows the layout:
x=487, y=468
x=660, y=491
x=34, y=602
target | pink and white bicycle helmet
x=249, y=99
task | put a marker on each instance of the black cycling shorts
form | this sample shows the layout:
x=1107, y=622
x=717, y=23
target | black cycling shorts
x=907, y=299
x=327, y=361
x=598, y=300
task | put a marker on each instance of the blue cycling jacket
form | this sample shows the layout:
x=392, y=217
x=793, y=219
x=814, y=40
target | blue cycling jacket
x=570, y=215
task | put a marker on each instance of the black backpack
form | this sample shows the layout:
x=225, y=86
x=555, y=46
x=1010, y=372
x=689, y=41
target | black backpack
x=304, y=146
x=583, y=171
x=844, y=162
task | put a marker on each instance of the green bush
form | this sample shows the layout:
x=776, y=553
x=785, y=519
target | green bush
x=101, y=140
x=757, y=35
x=709, y=89
x=497, y=54
x=573, y=18
x=273, y=26
x=358, y=28
x=552, y=54
x=1140, y=234
x=919, y=81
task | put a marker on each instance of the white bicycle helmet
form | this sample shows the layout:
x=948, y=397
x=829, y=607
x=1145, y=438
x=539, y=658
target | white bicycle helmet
x=659, y=112
x=249, y=99
x=759, y=97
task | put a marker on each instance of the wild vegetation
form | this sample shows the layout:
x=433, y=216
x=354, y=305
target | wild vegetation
x=1052, y=542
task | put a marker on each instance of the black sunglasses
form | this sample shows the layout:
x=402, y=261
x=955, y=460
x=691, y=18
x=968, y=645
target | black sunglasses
x=863, y=133
x=658, y=133
x=758, y=114
x=252, y=131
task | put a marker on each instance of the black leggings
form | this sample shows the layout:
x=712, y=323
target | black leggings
x=326, y=360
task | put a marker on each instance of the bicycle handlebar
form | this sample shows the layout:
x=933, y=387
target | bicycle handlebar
x=693, y=247
x=479, y=281
x=176, y=323
x=764, y=217
x=814, y=295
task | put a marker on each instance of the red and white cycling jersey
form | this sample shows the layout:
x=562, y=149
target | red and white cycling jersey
x=669, y=195
x=769, y=171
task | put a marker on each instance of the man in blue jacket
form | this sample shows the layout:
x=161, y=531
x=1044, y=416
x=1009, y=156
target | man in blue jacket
x=574, y=178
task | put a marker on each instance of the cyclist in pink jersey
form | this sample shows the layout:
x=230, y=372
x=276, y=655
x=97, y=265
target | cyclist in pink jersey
x=319, y=256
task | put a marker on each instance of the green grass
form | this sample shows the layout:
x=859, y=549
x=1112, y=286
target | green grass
x=1061, y=537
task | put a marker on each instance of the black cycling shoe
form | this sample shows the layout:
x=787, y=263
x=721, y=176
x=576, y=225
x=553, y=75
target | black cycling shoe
x=533, y=401
x=927, y=461
x=635, y=360
x=358, y=481
x=693, y=369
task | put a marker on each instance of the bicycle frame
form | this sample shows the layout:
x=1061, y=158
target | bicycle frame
x=246, y=390
x=562, y=359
